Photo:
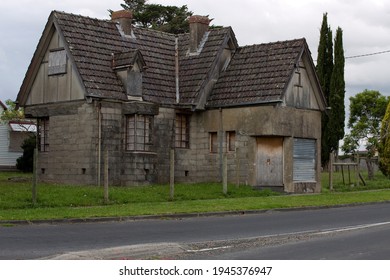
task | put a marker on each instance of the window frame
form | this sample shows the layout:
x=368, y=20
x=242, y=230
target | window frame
x=230, y=141
x=213, y=142
x=58, y=62
x=43, y=134
x=182, y=131
x=139, y=126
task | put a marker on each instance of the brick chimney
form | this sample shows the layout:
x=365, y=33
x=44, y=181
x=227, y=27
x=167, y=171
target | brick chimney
x=124, y=18
x=199, y=25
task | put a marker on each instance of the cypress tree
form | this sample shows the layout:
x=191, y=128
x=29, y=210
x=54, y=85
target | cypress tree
x=337, y=95
x=324, y=70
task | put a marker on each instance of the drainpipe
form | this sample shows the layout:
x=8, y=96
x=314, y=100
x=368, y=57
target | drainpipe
x=177, y=69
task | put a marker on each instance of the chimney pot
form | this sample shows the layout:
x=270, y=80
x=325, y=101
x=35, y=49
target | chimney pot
x=124, y=18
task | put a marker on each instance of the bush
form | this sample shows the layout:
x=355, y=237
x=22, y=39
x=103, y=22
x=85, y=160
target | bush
x=26, y=161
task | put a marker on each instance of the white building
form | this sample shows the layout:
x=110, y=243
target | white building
x=12, y=135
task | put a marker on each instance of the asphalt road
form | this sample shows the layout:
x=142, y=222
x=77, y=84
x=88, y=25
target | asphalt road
x=303, y=234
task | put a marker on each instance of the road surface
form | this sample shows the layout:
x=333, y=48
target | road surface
x=304, y=234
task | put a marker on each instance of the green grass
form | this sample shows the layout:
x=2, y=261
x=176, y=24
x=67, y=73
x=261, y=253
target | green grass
x=63, y=202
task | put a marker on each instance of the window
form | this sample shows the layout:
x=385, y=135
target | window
x=304, y=160
x=182, y=131
x=139, y=132
x=230, y=141
x=213, y=142
x=57, y=62
x=43, y=134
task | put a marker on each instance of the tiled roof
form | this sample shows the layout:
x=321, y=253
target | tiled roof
x=92, y=43
x=194, y=68
x=257, y=74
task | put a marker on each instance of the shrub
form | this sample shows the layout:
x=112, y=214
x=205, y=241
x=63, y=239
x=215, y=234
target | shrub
x=26, y=161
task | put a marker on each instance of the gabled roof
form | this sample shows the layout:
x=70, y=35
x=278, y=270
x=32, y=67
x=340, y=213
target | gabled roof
x=195, y=68
x=257, y=74
x=93, y=42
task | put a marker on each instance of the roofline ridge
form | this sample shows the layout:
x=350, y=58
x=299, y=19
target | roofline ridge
x=79, y=15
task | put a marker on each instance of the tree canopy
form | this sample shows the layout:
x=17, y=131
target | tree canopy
x=171, y=19
x=11, y=114
x=367, y=110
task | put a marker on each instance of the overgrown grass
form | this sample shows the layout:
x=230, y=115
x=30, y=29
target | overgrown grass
x=16, y=193
x=60, y=201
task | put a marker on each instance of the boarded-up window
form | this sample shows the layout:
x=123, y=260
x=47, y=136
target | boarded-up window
x=57, y=62
x=213, y=142
x=230, y=141
x=182, y=131
x=139, y=132
x=43, y=134
x=304, y=160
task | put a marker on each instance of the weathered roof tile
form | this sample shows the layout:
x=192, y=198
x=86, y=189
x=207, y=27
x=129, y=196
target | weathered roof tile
x=257, y=74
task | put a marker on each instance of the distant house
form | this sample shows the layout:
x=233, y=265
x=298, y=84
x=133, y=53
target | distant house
x=96, y=85
x=12, y=135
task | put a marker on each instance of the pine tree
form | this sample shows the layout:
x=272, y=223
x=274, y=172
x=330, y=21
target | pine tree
x=171, y=19
x=337, y=95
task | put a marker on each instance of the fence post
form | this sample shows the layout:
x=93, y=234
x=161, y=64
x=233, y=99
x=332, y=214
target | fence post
x=106, y=197
x=35, y=177
x=331, y=160
x=224, y=173
x=172, y=174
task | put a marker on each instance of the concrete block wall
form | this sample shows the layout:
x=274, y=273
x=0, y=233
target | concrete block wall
x=72, y=147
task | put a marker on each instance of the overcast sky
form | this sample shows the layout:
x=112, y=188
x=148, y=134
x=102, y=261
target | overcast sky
x=366, y=26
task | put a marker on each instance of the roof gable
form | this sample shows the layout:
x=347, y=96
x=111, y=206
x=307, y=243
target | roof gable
x=257, y=74
x=195, y=69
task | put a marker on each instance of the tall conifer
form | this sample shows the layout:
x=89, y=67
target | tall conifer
x=324, y=70
x=337, y=95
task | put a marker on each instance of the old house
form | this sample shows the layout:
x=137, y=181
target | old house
x=95, y=85
x=12, y=135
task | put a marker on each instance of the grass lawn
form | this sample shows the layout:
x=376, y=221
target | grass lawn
x=60, y=201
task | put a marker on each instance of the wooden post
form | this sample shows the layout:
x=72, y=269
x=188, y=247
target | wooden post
x=106, y=198
x=224, y=174
x=237, y=168
x=35, y=177
x=172, y=174
x=331, y=159
x=357, y=169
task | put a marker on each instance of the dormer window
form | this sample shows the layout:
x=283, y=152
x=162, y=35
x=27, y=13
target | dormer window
x=129, y=66
x=57, y=62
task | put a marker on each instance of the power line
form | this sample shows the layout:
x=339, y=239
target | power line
x=368, y=54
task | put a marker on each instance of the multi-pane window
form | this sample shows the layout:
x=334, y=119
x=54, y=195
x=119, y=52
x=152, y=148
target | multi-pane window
x=139, y=132
x=182, y=131
x=213, y=142
x=43, y=134
x=230, y=141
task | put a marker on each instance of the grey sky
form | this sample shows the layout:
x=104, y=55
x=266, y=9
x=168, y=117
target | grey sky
x=366, y=26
